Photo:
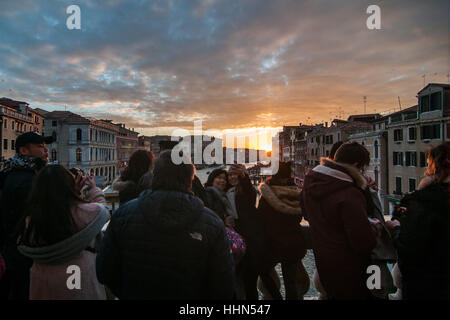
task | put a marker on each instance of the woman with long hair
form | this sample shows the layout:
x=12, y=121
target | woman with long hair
x=438, y=169
x=60, y=234
x=421, y=230
x=136, y=177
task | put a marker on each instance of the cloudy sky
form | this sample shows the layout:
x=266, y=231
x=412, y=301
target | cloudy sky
x=157, y=65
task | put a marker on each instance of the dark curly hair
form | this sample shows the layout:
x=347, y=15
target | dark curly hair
x=439, y=162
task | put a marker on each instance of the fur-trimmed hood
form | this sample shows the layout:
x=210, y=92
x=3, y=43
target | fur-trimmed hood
x=341, y=171
x=285, y=199
x=331, y=177
x=120, y=185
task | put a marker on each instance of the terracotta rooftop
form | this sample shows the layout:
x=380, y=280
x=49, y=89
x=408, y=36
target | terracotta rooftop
x=11, y=103
x=42, y=112
x=67, y=116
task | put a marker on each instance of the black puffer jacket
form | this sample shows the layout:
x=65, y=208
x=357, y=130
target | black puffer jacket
x=423, y=243
x=15, y=191
x=166, y=245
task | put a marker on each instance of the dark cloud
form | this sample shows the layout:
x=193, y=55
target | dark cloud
x=234, y=64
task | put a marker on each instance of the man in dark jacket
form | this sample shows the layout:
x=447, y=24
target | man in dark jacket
x=334, y=204
x=166, y=244
x=15, y=183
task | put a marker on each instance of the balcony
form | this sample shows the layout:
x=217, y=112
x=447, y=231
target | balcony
x=78, y=142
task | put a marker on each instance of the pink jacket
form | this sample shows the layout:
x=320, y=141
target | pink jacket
x=50, y=282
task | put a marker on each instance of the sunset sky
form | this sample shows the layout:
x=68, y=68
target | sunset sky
x=236, y=65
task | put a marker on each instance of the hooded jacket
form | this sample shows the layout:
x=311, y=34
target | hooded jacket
x=280, y=208
x=49, y=273
x=166, y=245
x=335, y=206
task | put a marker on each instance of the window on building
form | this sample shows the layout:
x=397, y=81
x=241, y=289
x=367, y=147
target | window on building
x=79, y=155
x=12, y=124
x=5, y=124
x=410, y=158
x=412, y=184
x=430, y=132
x=423, y=160
x=414, y=159
x=435, y=101
x=13, y=144
x=398, y=185
x=54, y=155
x=398, y=134
x=79, y=134
x=54, y=135
x=412, y=134
x=398, y=158
x=54, y=123
x=424, y=103
x=375, y=147
x=5, y=144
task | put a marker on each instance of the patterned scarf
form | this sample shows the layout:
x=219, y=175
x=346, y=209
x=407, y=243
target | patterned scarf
x=22, y=162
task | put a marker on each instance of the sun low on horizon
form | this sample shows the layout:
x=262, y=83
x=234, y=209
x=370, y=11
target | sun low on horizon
x=235, y=65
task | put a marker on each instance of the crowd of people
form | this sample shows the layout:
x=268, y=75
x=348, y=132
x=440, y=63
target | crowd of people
x=174, y=238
